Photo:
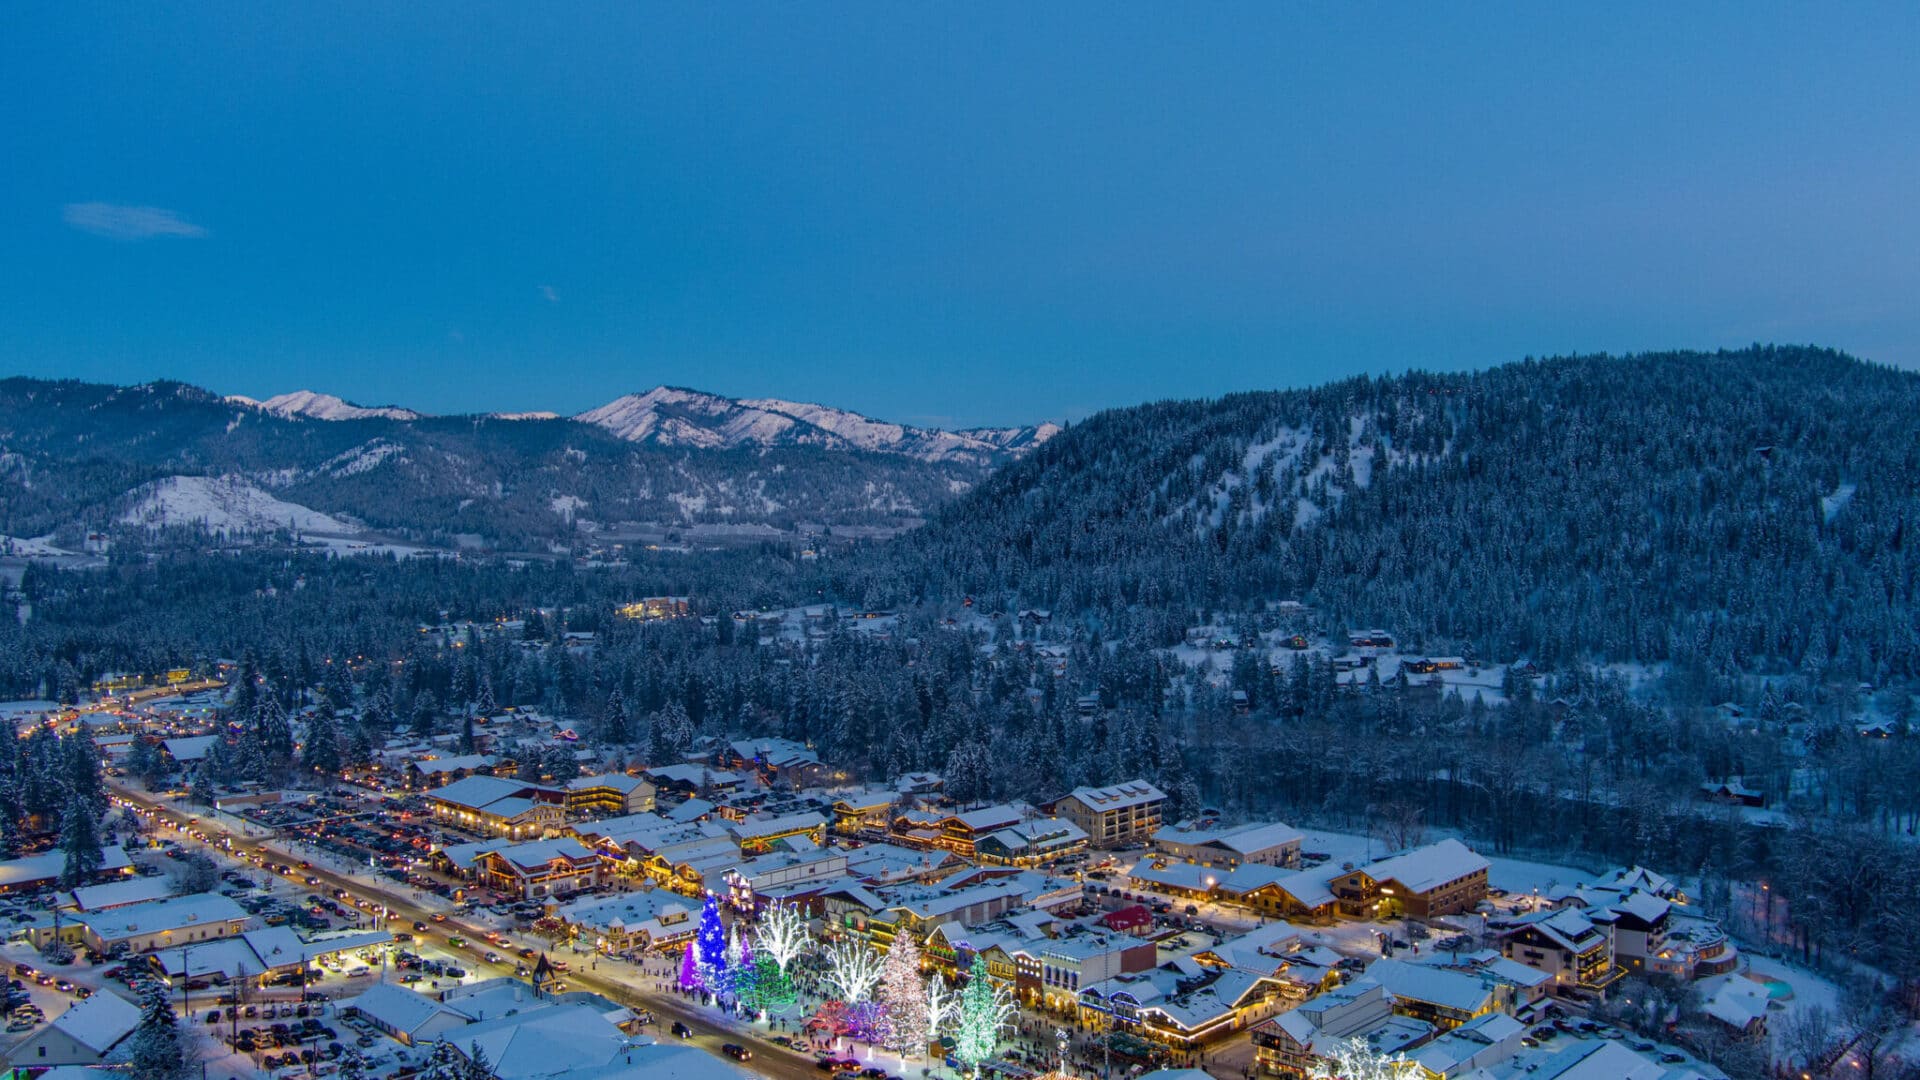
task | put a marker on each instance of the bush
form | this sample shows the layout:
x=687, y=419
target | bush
x=58, y=952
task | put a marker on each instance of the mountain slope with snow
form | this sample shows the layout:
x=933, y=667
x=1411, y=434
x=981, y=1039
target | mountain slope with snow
x=223, y=504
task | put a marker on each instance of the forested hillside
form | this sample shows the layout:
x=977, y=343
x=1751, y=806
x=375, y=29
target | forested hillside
x=1747, y=508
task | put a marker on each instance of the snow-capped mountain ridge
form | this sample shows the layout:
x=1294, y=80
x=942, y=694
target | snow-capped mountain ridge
x=317, y=406
x=676, y=416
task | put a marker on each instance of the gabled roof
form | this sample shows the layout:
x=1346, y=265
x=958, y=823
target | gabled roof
x=1435, y=986
x=400, y=1009
x=545, y=1041
x=191, y=748
x=1426, y=868
x=119, y=893
x=48, y=865
x=100, y=1022
x=480, y=792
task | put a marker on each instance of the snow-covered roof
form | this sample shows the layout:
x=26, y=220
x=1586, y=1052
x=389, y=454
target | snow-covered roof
x=546, y=1041
x=156, y=916
x=191, y=748
x=620, y=782
x=1435, y=986
x=1117, y=796
x=118, y=893
x=100, y=1022
x=1426, y=868
x=481, y=792
x=46, y=866
x=397, y=1008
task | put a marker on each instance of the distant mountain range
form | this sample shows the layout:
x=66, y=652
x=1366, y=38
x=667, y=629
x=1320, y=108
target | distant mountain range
x=675, y=416
x=169, y=454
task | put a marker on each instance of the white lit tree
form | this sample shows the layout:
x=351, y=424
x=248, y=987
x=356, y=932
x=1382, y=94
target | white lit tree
x=739, y=963
x=781, y=935
x=1355, y=1060
x=853, y=970
x=903, y=993
x=942, y=1005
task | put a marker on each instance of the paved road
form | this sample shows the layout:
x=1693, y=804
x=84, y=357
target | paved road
x=769, y=1059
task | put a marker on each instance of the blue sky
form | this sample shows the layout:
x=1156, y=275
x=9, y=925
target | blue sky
x=943, y=214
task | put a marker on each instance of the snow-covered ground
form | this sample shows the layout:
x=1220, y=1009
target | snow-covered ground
x=35, y=547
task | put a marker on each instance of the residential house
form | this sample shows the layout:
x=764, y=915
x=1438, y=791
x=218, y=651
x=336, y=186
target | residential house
x=85, y=1034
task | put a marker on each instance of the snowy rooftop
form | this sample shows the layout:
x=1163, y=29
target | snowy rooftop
x=99, y=1022
x=47, y=866
x=1118, y=796
x=1427, y=868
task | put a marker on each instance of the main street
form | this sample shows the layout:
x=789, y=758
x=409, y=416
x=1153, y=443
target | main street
x=769, y=1059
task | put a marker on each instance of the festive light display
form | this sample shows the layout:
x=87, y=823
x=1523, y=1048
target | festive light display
x=984, y=1010
x=690, y=969
x=903, y=996
x=1355, y=1060
x=782, y=935
x=853, y=970
x=942, y=1005
x=710, y=948
x=738, y=963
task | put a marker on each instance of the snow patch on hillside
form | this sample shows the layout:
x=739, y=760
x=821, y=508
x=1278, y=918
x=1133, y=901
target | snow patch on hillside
x=1831, y=505
x=223, y=504
x=361, y=458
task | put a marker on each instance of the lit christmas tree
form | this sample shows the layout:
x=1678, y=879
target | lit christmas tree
x=739, y=965
x=984, y=1010
x=710, y=948
x=690, y=970
x=903, y=994
x=772, y=991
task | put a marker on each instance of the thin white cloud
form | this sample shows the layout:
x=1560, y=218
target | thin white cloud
x=117, y=222
x=552, y=296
